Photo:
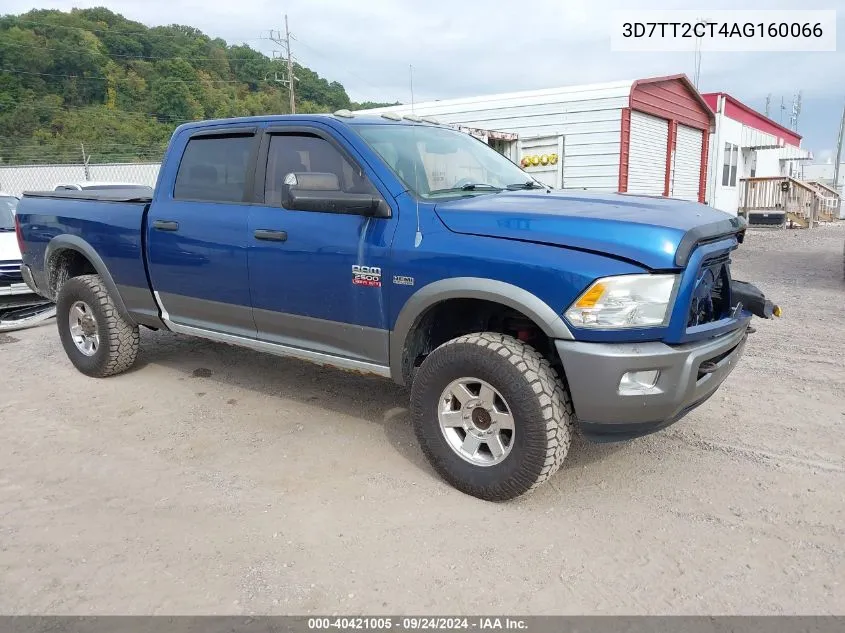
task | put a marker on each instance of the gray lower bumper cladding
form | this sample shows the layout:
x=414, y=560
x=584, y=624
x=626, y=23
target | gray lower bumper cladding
x=686, y=376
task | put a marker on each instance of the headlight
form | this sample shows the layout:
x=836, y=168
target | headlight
x=624, y=301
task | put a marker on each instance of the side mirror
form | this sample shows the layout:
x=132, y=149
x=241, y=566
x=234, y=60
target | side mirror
x=312, y=191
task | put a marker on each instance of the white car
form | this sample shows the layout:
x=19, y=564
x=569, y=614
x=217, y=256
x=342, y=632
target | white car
x=100, y=186
x=19, y=305
x=11, y=282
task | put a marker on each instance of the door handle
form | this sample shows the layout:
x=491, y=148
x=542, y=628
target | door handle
x=271, y=236
x=166, y=225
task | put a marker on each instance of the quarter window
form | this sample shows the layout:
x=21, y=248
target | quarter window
x=214, y=169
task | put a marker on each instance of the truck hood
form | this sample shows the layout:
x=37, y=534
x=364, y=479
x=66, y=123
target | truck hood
x=9, y=250
x=658, y=233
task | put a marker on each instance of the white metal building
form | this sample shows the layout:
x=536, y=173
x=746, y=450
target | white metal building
x=647, y=136
x=747, y=144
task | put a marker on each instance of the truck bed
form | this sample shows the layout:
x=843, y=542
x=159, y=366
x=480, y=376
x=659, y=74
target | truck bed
x=107, y=227
x=106, y=195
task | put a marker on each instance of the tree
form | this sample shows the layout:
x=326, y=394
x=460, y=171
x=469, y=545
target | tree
x=92, y=76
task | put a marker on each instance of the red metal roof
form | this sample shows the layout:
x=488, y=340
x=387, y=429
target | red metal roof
x=675, y=99
x=746, y=115
x=672, y=97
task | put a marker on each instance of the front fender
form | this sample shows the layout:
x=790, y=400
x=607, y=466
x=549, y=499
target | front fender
x=502, y=292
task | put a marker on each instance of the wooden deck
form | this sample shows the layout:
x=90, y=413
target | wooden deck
x=787, y=201
x=830, y=204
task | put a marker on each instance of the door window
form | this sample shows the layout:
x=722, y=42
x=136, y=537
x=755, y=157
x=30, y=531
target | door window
x=306, y=153
x=214, y=169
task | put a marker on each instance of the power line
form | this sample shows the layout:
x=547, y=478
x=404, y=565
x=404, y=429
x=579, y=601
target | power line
x=151, y=30
x=346, y=70
x=110, y=145
x=142, y=57
x=15, y=71
x=65, y=108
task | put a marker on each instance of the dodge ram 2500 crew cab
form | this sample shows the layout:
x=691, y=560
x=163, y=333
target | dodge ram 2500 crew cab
x=414, y=252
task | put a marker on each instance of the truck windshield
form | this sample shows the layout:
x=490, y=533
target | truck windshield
x=7, y=213
x=436, y=162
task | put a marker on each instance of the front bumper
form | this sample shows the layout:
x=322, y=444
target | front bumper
x=594, y=372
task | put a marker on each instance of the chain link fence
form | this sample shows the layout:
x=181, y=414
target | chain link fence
x=45, y=177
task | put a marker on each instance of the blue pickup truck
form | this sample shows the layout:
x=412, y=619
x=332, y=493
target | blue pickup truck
x=409, y=250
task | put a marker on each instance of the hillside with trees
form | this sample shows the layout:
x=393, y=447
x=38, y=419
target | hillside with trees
x=120, y=88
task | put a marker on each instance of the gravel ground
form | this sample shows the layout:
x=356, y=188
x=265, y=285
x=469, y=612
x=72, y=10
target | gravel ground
x=218, y=480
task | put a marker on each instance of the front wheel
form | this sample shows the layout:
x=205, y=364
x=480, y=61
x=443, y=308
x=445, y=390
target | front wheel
x=97, y=339
x=491, y=415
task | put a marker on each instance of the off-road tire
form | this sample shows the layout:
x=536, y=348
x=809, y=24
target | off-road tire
x=119, y=339
x=538, y=400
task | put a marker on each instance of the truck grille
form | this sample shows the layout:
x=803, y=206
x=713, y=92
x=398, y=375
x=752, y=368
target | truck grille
x=712, y=291
x=10, y=272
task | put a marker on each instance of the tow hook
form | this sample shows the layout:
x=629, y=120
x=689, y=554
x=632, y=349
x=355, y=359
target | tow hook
x=749, y=297
x=707, y=367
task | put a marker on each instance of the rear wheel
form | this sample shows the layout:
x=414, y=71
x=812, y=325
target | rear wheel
x=491, y=415
x=97, y=339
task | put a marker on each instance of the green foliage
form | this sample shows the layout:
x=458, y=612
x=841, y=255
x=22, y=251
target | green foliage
x=91, y=76
x=366, y=105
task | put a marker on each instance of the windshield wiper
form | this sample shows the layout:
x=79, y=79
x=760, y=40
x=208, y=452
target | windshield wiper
x=531, y=184
x=470, y=186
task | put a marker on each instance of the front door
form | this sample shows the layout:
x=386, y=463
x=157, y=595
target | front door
x=318, y=279
x=197, y=235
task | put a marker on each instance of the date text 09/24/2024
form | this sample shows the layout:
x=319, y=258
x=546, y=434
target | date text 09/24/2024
x=416, y=623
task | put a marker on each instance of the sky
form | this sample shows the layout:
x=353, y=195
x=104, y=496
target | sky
x=476, y=47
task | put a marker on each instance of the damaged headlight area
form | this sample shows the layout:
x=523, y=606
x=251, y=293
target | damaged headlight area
x=625, y=301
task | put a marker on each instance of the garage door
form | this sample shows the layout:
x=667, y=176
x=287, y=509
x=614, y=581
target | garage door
x=647, y=154
x=686, y=172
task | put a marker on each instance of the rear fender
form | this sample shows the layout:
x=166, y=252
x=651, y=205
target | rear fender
x=75, y=243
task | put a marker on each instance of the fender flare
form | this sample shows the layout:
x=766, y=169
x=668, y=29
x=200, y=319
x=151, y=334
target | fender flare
x=494, y=290
x=76, y=243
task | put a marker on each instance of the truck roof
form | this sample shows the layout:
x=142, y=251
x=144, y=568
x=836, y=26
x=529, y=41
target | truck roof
x=344, y=117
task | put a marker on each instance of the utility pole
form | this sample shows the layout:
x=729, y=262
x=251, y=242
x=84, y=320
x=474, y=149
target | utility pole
x=85, y=159
x=796, y=111
x=290, y=68
x=411, y=81
x=839, y=143
x=698, y=45
x=768, y=103
x=276, y=36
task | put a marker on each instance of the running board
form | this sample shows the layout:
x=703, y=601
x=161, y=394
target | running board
x=318, y=358
x=29, y=317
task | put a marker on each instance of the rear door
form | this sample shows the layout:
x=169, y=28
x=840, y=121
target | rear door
x=197, y=232
x=686, y=174
x=647, y=154
x=319, y=279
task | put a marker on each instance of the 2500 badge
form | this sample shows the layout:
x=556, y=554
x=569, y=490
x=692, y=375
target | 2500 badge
x=366, y=276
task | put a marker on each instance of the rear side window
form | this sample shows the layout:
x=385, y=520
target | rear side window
x=214, y=169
